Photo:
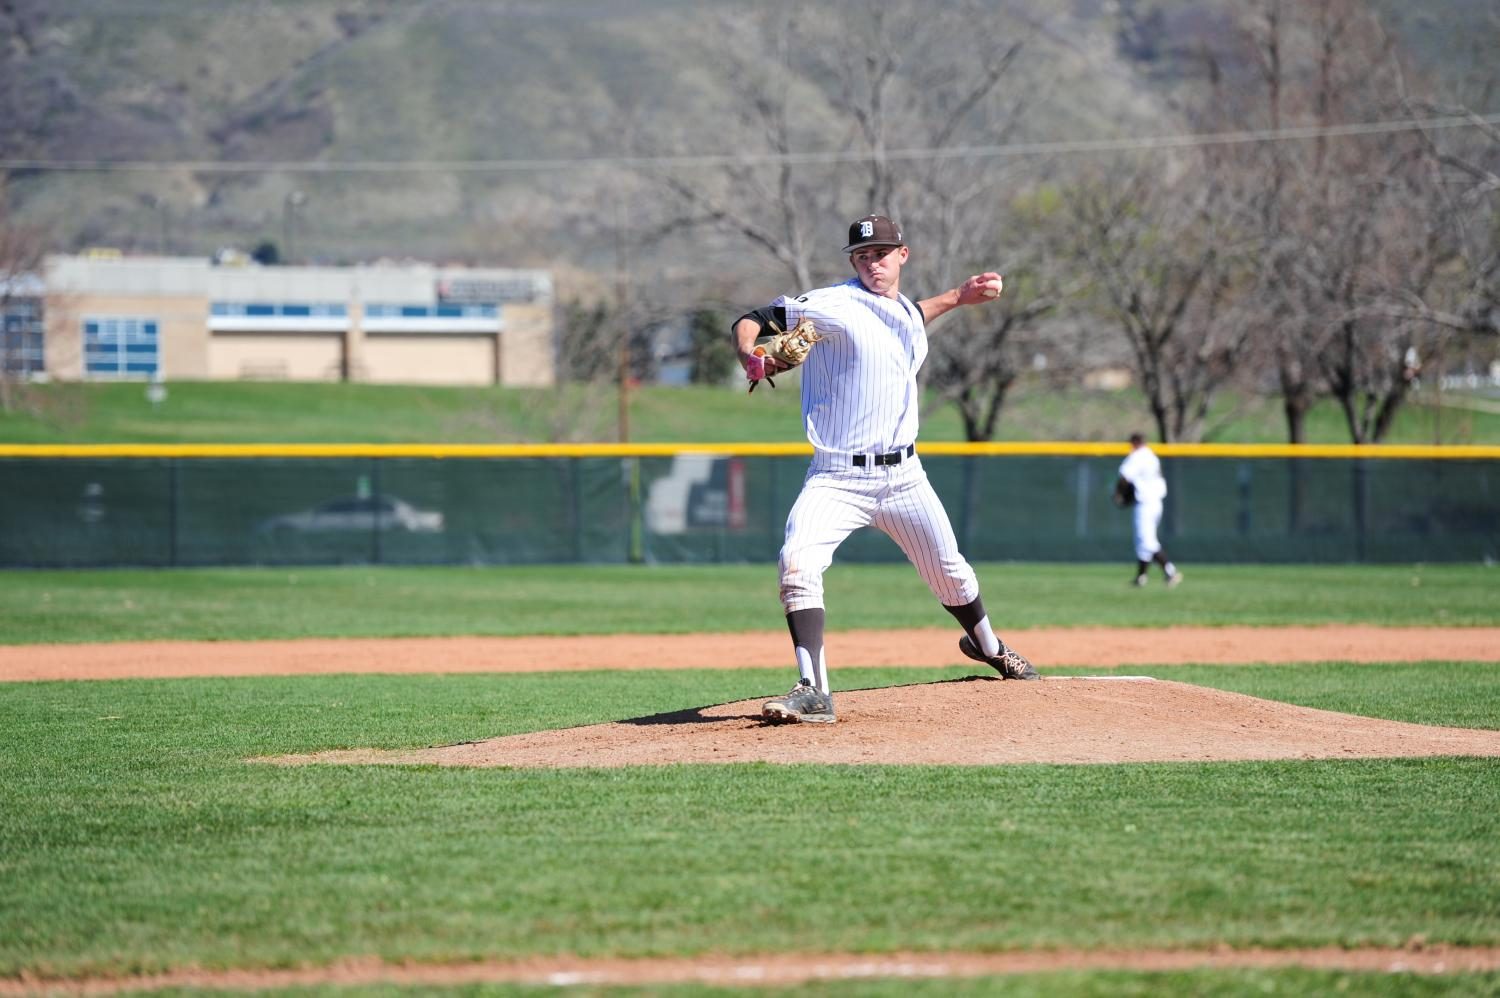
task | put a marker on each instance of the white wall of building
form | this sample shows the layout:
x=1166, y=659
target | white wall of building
x=210, y=322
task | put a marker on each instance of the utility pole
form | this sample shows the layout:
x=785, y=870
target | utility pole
x=636, y=550
x=158, y=205
x=622, y=295
x=294, y=202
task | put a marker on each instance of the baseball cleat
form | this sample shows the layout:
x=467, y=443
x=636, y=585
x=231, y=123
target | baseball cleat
x=1139, y=580
x=1010, y=663
x=802, y=705
x=1174, y=579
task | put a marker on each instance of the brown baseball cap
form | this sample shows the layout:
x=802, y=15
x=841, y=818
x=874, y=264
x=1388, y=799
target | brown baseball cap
x=874, y=230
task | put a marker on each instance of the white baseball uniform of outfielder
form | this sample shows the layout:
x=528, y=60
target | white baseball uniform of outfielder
x=860, y=410
x=1142, y=469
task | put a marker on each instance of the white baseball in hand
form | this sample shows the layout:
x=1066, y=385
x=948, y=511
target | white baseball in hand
x=991, y=289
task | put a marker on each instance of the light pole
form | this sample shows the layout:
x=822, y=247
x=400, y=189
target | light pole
x=293, y=204
x=159, y=205
x=622, y=299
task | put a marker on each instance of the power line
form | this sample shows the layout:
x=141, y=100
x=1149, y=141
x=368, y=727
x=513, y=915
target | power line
x=719, y=160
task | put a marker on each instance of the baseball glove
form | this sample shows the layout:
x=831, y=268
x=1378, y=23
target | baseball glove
x=787, y=347
x=1124, y=494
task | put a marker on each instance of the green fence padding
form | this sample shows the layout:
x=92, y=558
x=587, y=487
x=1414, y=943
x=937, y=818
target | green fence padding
x=697, y=507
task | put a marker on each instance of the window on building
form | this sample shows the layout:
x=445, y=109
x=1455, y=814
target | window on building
x=21, y=337
x=381, y=310
x=121, y=347
x=263, y=309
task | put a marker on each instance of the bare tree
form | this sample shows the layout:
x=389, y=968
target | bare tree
x=977, y=355
x=1288, y=349
x=774, y=201
x=976, y=361
x=1171, y=278
x=822, y=95
x=1469, y=193
x=1344, y=225
x=1467, y=189
x=1371, y=236
x=871, y=81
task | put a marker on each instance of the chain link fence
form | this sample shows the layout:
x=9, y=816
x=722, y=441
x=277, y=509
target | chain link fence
x=683, y=507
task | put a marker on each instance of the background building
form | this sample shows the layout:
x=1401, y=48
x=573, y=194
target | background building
x=21, y=326
x=186, y=318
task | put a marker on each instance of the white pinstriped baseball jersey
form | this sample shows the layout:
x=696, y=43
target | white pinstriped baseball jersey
x=859, y=384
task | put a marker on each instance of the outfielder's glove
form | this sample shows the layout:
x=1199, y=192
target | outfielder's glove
x=789, y=348
x=1124, y=494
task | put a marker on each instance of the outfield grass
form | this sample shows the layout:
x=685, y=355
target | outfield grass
x=258, y=412
x=119, y=605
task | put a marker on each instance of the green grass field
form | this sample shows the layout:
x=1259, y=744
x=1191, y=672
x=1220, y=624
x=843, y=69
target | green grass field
x=250, y=412
x=248, y=603
x=138, y=838
x=135, y=836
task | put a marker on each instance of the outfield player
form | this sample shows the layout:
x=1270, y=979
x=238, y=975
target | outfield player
x=859, y=409
x=1140, y=486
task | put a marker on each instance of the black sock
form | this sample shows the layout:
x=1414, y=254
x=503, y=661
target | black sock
x=968, y=616
x=806, y=627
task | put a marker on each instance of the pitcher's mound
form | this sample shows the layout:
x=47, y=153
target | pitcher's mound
x=976, y=720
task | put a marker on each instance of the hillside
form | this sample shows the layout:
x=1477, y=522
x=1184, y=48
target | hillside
x=183, y=82
x=387, y=104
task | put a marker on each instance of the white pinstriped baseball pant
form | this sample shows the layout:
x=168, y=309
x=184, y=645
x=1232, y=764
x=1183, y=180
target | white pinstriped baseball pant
x=1146, y=517
x=838, y=499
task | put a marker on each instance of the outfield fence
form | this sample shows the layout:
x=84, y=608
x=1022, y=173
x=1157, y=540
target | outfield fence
x=200, y=505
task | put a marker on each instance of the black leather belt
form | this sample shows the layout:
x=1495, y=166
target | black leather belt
x=894, y=457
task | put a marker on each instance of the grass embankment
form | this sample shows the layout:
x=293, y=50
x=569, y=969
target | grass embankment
x=251, y=412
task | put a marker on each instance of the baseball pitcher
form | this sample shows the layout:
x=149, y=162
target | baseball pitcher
x=860, y=345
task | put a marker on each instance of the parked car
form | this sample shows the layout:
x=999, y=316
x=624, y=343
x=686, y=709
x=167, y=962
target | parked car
x=358, y=513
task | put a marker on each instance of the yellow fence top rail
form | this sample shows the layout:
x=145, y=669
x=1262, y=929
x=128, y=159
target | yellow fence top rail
x=1046, y=448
